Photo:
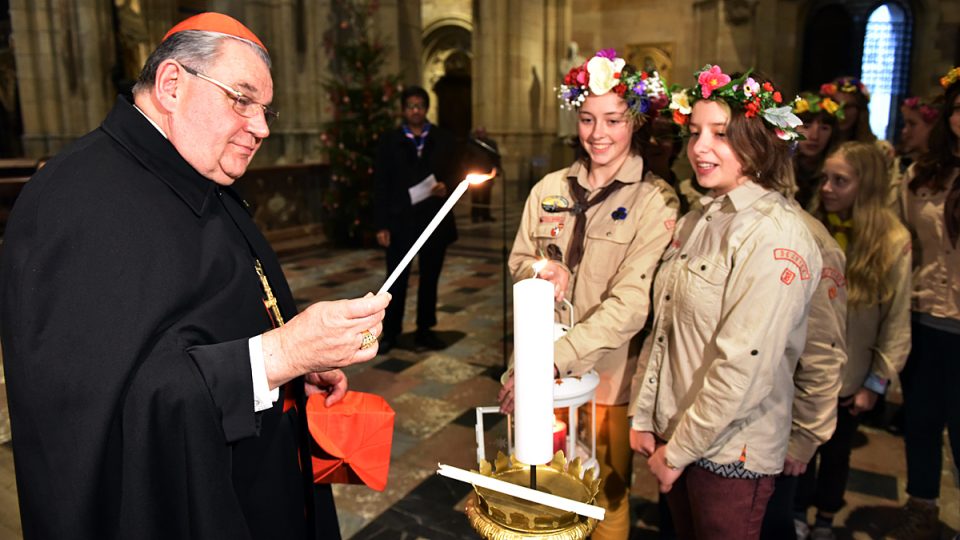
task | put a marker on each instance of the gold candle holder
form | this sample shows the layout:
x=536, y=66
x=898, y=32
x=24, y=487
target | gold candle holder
x=497, y=516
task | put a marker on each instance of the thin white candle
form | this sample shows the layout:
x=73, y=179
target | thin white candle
x=521, y=492
x=533, y=370
x=461, y=188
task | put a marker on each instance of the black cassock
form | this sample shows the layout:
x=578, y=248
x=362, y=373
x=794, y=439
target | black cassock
x=129, y=296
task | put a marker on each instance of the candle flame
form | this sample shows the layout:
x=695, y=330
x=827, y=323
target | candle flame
x=538, y=266
x=479, y=178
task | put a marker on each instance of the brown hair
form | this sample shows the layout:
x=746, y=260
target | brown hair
x=935, y=168
x=763, y=156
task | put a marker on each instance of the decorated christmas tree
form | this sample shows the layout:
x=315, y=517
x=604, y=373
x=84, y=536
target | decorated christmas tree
x=364, y=107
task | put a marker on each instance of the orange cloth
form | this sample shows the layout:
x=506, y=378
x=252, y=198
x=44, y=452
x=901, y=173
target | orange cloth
x=352, y=439
x=216, y=22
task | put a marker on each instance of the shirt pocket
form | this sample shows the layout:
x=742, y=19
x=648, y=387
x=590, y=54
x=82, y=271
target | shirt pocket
x=604, y=250
x=702, y=298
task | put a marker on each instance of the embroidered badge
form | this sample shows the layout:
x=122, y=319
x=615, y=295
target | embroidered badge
x=784, y=254
x=676, y=243
x=787, y=276
x=556, y=230
x=619, y=214
x=670, y=224
x=833, y=275
x=554, y=203
x=832, y=293
x=552, y=219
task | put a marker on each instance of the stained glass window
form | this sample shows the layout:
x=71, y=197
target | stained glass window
x=884, y=68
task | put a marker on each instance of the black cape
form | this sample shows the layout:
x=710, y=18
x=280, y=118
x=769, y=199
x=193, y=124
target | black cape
x=129, y=296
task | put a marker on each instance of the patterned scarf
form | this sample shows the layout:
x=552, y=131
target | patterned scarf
x=420, y=141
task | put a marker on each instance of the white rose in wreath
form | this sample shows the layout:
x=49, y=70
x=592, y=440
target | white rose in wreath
x=603, y=73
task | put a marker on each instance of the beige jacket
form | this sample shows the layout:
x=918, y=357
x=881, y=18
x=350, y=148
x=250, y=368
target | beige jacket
x=816, y=380
x=730, y=313
x=610, y=291
x=878, y=337
x=936, y=263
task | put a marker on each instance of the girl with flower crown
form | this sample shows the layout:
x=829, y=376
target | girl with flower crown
x=930, y=204
x=854, y=206
x=713, y=408
x=853, y=97
x=820, y=116
x=601, y=224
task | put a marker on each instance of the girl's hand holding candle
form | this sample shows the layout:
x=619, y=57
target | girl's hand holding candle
x=555, y=273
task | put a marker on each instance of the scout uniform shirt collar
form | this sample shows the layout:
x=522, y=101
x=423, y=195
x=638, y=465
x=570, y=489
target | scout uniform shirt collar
x=629, y=173
x=149, y=146
x=742, y=196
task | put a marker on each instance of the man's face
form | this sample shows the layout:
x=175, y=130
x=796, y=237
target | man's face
x=206, y=130
x=414, y=111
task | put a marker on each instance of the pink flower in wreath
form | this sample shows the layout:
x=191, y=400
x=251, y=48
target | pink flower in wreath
x=711, y=79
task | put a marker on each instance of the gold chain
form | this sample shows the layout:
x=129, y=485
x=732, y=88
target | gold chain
x=271, y=301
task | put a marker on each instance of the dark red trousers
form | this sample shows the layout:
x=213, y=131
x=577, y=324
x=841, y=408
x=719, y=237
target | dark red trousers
x=707, y=506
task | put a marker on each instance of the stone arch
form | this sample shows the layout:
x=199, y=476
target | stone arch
x=447, y=58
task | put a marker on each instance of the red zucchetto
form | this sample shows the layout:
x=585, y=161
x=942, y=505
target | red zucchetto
x=216, y=22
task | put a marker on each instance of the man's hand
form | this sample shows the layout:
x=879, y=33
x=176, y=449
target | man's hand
x=643, y=442
x=666, y=475
x=325, y=336
x=864, y=400
x=333, y=383
x=383, y=237
x=793, y=467
x=505, y=397
x=558, y=275
x=438, y=190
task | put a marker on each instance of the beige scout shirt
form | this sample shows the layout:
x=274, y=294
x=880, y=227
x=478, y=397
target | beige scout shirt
x=816, y=380
x=610, y=291
x=936, y=263
x=878, y=337
x=730, y=313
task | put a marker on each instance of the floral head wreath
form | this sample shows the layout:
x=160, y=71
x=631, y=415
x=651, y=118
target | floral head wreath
x=950, y=78
x=929, y=111
x=643, y=91
x=808, y=102
x=743, y=93
x=847, y=85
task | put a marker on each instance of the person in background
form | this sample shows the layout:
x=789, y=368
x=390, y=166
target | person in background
x=601, y=224
x=853, y=205
x=416, y=153
x=930, y=207
x=660, y=151
x=730, y=307
x=820, y=116
x=853, y=97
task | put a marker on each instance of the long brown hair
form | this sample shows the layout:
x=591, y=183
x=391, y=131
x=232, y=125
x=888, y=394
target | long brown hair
x=872, y=251
x=935, y=169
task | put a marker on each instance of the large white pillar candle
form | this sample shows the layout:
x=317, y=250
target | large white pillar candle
x=533, y=370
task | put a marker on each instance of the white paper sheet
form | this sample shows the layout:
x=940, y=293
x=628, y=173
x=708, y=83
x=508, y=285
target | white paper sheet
x=421, y=191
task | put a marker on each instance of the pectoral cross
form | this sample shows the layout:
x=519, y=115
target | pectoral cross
x=271, y=301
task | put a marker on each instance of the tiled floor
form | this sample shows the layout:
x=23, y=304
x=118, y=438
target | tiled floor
x=435, y=394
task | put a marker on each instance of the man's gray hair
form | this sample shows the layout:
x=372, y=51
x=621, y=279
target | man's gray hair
x=197, y=49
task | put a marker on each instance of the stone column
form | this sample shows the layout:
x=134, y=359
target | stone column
x=65, y=55
x=517, y=50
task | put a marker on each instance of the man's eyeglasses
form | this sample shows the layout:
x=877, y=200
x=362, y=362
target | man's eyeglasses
x=243, y=105
x=415, y=107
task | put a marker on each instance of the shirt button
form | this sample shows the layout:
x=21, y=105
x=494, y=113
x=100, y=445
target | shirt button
x=660, y=339
x=652, y=380
x=569, y=372
x=754, y=352
x=683, y=256
x=668, y=297
x=709, y=218
x=643, y=276
x=703, y=267
x=609, y=233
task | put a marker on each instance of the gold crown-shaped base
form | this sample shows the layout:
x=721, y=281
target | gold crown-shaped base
x=503, y=517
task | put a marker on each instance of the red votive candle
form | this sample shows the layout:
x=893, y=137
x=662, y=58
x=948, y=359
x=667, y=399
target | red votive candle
x=559, y=436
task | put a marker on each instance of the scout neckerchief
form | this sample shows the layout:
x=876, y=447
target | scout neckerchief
x=420, y=141
x=579, y=210
x=840, y=229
